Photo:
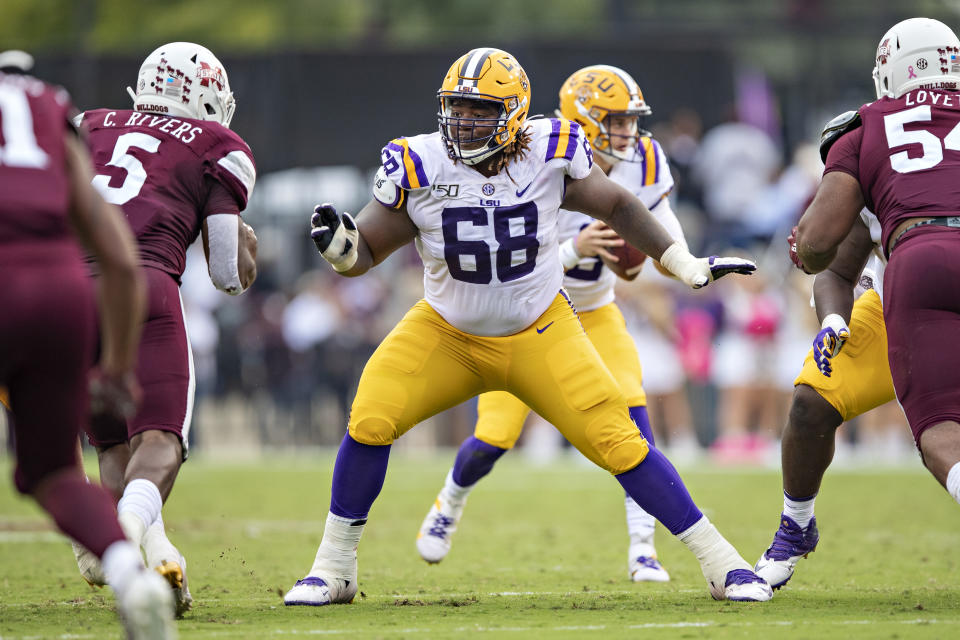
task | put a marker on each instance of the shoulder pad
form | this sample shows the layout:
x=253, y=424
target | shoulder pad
x=563, y=139
x=833, y=130
x=540, y=116
x=403, y=165
x=386, y=192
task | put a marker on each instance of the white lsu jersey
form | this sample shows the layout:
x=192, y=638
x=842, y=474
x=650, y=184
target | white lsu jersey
x=647, y=175
x=489, y=246
x=872, y=275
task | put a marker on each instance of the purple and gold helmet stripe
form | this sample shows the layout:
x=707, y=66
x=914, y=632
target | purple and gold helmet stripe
x=414, y=176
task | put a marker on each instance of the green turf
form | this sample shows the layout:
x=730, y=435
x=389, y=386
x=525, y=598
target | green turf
x=541, y=553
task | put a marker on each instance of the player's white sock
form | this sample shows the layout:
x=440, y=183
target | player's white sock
x=800, y=511
x=452, y=492
x=155, y=540
x=338, y=549
x=121, y=561
x=640, y=526
x=953, y=482
x=138, y=508
x=716, y=555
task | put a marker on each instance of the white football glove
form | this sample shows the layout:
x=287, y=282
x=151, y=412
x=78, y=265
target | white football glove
x=699, y=272
x=335, y=235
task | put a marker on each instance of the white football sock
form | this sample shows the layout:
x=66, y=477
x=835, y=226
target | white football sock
x=138, y=508
x=640, y=526
x=800, y=511
x=338, y=549
x=121, y=561
x=953, y=482
x=156, y=545
x=452, y=492
x=717, y=556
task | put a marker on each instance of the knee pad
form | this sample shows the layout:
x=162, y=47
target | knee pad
x=373, y=431
x=618, y=444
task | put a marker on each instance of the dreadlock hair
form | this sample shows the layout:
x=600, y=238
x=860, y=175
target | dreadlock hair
x=516, y=150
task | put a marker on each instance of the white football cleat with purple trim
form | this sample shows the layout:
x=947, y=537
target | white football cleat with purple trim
x=316, y=591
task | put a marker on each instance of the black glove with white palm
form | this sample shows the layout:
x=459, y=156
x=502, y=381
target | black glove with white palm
x=335, y=235
x=699, y=272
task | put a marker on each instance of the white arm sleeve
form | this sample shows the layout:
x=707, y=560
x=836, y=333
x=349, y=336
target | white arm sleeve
x=223, y=231
x=665, y=216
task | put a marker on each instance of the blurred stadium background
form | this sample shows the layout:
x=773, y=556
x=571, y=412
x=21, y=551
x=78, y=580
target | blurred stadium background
x=739, y=91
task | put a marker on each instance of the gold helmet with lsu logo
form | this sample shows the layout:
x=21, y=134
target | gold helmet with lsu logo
x=488, y=75
x=593, y=94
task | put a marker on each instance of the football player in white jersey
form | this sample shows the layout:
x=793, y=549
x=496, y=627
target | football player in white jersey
x=607, y=104
x=481, y=199
x=845, y=374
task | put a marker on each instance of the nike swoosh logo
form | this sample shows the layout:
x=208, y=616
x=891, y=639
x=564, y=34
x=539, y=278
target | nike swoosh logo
x=523, y=191
x=539, y=330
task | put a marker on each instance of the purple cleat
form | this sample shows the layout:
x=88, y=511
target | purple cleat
x=790, y=544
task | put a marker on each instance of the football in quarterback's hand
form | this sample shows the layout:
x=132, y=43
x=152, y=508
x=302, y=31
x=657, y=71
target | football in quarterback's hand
x=630, y=261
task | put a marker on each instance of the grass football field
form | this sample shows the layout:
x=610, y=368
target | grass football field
x=541, y=552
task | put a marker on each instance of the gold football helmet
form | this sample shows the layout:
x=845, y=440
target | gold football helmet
x=487, y=75
x=593, y=94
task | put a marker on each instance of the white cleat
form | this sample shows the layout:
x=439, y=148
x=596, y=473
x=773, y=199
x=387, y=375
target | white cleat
x=434, y=537
x=90, y=568
x=647, y=569
x=175, y=573
x=166, y=560
x=742, y=585
x=316, y=591
x=146, y=608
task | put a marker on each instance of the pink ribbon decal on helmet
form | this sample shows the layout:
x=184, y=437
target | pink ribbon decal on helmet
x=910, y=71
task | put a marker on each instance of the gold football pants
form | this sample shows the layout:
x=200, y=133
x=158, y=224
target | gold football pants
x=425, y=366
x=500, y=415
x=861, y=377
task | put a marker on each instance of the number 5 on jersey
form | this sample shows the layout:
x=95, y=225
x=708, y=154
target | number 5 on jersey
x=136, y=174
x=897, y=136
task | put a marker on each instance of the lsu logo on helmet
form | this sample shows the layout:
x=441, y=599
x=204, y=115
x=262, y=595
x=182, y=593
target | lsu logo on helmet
x=492, y=76
x=593, y=94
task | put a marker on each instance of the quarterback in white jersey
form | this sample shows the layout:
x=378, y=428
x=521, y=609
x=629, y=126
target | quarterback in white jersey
x=481, y=199
x=607, y=104
x=845, y=374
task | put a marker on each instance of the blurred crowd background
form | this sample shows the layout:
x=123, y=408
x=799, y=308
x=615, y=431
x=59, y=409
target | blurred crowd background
x=739, y=91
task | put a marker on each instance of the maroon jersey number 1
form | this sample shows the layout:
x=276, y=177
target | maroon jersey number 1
x=20, y=148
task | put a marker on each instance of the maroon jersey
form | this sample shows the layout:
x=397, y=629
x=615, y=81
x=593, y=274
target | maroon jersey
x=35, y=188
x=168, y=174
x=906, y=156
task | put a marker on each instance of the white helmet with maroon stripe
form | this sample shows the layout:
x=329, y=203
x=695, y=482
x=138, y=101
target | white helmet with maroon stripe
x=918, y=52
x=184, y=79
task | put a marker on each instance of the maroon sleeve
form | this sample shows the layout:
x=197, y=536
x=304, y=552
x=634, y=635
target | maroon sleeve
x=230, y=165
x=220, y=200
x=844, y=155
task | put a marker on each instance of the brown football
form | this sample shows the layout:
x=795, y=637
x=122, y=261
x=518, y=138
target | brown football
x=629, y=257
